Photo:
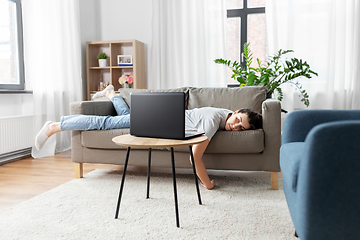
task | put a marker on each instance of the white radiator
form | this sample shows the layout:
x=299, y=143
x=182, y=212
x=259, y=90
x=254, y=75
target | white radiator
x=16, y=133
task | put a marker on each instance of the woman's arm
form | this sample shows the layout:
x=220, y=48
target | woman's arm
x=198, y=151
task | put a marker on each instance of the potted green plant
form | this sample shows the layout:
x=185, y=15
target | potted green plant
x=102, y=59
x=271, y=74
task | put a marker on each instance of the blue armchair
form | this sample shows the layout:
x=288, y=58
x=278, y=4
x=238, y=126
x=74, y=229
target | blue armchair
x=320, y=163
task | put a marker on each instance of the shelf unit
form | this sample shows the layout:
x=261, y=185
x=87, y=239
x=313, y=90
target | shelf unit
x=112, y=72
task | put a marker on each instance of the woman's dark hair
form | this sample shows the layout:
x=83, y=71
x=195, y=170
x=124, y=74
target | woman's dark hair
x=255, y=119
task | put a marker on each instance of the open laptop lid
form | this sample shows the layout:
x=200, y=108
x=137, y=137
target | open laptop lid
x=157, y=114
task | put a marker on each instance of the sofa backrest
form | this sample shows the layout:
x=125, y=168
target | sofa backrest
x=125, y=93
x=229, y=98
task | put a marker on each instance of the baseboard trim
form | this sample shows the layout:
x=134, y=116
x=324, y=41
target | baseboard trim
x=15, y=156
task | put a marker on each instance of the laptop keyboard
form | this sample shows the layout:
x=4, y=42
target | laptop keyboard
x=190, y=133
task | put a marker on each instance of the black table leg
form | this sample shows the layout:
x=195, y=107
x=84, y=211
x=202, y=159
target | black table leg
x=194, y=170
x=148, y=176
x=122, y=182
x=175, y=191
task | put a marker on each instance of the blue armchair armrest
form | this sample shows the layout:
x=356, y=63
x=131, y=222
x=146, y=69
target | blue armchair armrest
x=299, y=123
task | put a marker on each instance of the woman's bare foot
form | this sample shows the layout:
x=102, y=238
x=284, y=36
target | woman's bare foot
x=209, y=187
x=52, y=128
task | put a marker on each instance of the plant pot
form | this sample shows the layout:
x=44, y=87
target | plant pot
x=126, y=85
x=102, y=62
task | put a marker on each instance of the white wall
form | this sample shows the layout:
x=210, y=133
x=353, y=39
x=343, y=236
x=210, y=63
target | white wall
x=16, y=104
x=89, y=31
x=124, y=20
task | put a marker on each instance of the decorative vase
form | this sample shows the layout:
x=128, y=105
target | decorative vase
x=102, y=62
x=126, y=85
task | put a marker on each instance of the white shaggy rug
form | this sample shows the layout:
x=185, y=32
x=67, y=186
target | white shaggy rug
x=239, y=208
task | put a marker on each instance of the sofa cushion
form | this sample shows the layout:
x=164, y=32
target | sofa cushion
x=251, y=141
x=125, y=93
x=229, y=98
x=290, y=156
x=102, y=139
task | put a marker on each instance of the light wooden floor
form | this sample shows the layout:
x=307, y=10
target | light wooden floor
x=27, y=178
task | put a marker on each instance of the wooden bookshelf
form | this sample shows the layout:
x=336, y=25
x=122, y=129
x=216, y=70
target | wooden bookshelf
x=112, y=71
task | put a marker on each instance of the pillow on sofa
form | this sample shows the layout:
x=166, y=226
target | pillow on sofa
x=125, y=93
x=229, y=98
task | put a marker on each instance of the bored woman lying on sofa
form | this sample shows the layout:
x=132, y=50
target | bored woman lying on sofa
x=205, y=119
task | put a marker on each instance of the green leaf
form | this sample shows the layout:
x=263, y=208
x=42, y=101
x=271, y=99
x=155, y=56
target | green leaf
x=240, y=80
x=250, y=79
x=247, y=55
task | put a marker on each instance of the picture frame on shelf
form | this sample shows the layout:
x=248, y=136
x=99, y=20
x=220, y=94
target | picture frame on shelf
x=124, y=60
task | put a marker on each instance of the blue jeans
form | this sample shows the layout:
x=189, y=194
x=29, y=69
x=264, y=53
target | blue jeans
x=90, y=122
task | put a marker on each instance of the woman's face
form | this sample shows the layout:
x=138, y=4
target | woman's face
x=237, y=122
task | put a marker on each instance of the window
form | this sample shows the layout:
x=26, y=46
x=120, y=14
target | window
x=11, y=46
x=245, y=23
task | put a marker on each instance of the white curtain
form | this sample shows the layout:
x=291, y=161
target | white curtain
x=325, y=33
x=52, y=64
x=187, y=36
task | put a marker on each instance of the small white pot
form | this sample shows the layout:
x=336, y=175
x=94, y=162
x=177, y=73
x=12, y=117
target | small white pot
x=102, y=62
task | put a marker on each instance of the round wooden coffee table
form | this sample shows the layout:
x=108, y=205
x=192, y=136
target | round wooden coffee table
x=132, y=141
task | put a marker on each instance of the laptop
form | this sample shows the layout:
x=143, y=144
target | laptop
x=159, y=115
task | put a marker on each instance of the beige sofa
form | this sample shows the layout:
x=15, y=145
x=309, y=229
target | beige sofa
x=252, y=150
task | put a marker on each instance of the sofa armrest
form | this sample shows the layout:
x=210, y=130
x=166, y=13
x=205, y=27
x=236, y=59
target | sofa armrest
x=299, y=123
x=271, y=114
x=100, y=108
